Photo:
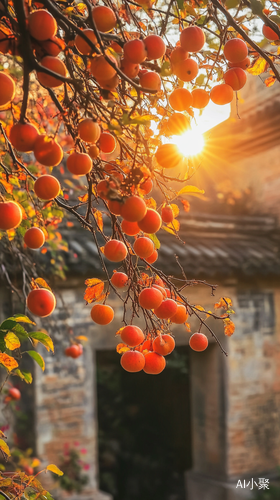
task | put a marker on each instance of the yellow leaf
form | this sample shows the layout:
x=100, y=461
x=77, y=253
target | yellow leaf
x=174, y=226
x=175, y=210
x=258, y=67
x=12, y=342
x=229, y=327
x=5, y=448
x=55, y=469
x=224, y=302
x=200, y=308
x=42, y=283
x=191, y=190
x=7, y=361
x=82, y=337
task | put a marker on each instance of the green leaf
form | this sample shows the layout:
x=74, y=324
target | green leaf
x=232, y=4
x=53, y=468
x=43, y=338
x=8, y=324
x=20, y=332
x=200, y=80
x=12, y=341
x=257, y=7
x=180, y=4
x=38, y=358
x=25, y=376
x=155, y=240
x=191, y=190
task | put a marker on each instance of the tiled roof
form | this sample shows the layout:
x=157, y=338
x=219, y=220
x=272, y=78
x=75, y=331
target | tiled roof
x=211, y=246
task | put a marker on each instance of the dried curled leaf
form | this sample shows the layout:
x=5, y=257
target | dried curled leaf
x=224, y=302
x=229, y=327
x=7, y=361
x=94, y=290
x=121, y=348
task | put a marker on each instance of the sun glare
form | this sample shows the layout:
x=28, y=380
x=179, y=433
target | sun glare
x=190, y=143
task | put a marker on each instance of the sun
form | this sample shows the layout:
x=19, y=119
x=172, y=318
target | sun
x=191, y=143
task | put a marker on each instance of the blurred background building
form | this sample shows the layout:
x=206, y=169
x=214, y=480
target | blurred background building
x=208, y=422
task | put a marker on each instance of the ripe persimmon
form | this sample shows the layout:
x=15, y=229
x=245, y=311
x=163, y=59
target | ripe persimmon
x=74, y=351
x=192, y=39
x=110, y=84
x=115, y=207
x=155, y=47
x=167, y=214
x=243, y=64
x=198, y=342
x=269, y=33
x=53, y=46
x=134, y=209
x=235, y=50
x=34, y=238
x=147, y=186
x=221, y=94
x=150, y=298
x=115, y=250
x=47, y=187
x=150, y=80
x=154, y=363
x=79, y=163
x=41, y=302
x=89, y=131
x=7, y=89
x=153, y=257
x=41, y=25
x=23, y=136
x=47, y=151
x=104, y=18
x=132, y=361
x=186, y=70
x=129, y=68
x=236, y=78
x=81, y=44
x=102, y=314
x=119, y=280
x=54, y=64
x=168, y=155
x=178, y=55
x=151, y=222
x=143, y=247
x=107, y=142
x=200, y=98
x=10, y=215
x=163, y=344
x=14, y=393
x=132, y=335
x=130, y=228
x=93, y=151
x=178, y=124
x=101, y=68
x=180, y=99
x=135, y=51
x=180, y=316
x=167, y=309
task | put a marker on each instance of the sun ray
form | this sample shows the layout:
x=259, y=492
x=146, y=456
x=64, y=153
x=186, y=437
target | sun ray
x=191, y=143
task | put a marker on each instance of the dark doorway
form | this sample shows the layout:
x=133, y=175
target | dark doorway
x=144, y=429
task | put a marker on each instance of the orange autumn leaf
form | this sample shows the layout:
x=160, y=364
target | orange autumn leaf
x=7, y=361
x=186, y=205
x=94, y=290
x=120, y=330
x=224, y=302
x=122, y=348
x=229, y=327
x=41, y=282
x=98, y=217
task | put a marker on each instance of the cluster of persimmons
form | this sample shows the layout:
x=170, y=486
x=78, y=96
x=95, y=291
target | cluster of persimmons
x=112, y=64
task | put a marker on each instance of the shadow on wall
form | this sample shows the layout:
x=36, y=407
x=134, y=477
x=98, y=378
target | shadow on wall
x=144, y=429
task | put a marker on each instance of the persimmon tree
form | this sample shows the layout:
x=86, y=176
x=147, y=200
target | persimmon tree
x=104, y=87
